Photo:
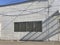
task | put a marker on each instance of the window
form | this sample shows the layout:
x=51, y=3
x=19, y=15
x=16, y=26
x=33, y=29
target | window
x=29, y=26
x=34, y=26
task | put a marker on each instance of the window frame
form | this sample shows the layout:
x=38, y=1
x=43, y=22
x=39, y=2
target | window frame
x=36, y=29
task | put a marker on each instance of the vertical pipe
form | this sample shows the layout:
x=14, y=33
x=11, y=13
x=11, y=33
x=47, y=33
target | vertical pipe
x=47, y=17
x=58, y=29
x=0, y=26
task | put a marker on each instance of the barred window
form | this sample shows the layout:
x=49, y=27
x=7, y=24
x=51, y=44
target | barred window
x=34, y=26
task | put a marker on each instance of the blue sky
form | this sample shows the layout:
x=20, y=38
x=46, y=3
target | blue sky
x=5, y=2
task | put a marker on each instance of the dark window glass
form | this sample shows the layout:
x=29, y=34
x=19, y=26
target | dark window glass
x=34, y=26
x=29, y=26
x=16, y=27
x=59, y=20
x=38, y=26
x=22, y=26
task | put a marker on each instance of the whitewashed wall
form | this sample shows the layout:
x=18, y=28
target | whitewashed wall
x=7, y=31
x=8, y=26
x=57, y=36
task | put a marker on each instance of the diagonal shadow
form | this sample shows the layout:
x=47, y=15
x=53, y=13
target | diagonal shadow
x=35, y=33
x=42, y=32
x=26, y=35
x=49, y=35
x=32, y=35
x=45, y=31
x=56, y=13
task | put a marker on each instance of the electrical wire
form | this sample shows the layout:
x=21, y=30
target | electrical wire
x=20, y=15
x=28, y=13
x=22, y=10
x=16, y=17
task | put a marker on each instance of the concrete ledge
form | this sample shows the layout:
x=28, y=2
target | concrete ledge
x=27, y=43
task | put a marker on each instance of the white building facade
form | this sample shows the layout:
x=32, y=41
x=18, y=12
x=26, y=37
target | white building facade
x=32, y=11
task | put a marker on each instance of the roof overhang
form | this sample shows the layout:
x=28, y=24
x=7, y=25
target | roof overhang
x=18, y=2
